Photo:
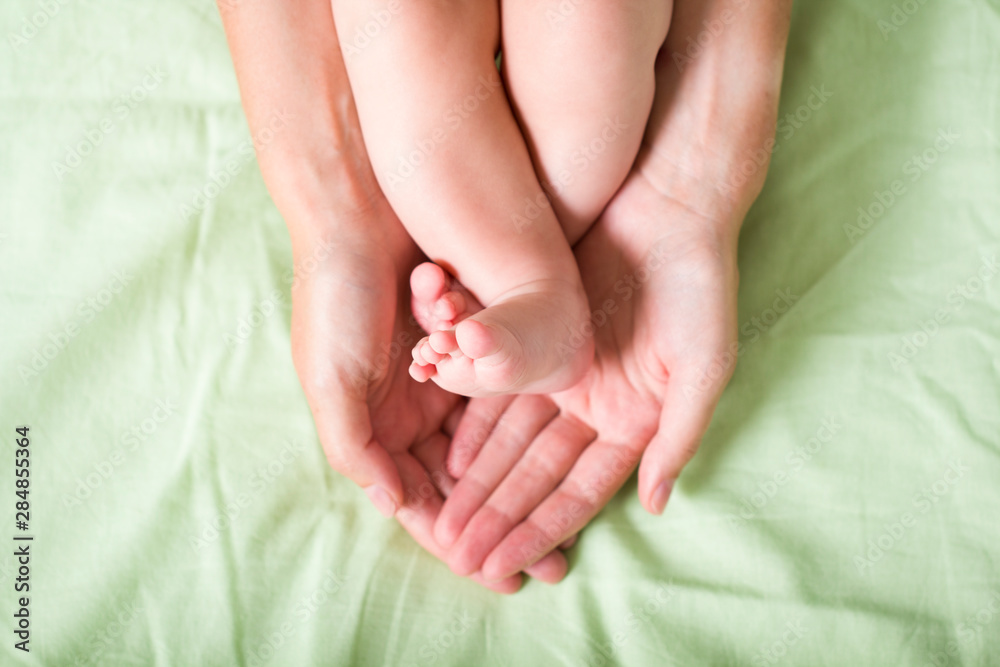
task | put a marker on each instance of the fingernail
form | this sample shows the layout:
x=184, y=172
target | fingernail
x=381, y=500
x=658, y=501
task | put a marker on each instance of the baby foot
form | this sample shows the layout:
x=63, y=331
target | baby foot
x=533, y=339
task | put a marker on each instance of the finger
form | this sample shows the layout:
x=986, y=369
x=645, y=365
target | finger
x=345, y=429
x=551, y=569
x=526, y=416
x=431, y=454
x=419, y=511
x=568, y=544
x=453, y=419
x=481, y=415
x=421, y=373
x=546, y=462
x=598, y=474
x=687, y=411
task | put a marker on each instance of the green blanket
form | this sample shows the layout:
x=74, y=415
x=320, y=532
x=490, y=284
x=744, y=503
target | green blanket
x=843, y=509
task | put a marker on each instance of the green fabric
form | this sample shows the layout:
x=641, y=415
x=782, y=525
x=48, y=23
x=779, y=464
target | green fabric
x=166, y=397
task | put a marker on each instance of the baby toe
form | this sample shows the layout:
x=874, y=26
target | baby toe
x=421, y=373
x=430, y=355
x=449, y=306
x=418, y=350
x=443, y=342
x=477, y=340
x=428, y=282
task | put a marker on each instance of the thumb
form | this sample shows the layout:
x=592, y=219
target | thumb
x=345, y=429
x=687, y=411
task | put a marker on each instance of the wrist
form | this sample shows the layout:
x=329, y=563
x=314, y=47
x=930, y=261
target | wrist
x=672, y=219
x=716, y=183
x=329, y=196
x=713, y=121
x=710, y=155
x=332, y=210
x=317, y=187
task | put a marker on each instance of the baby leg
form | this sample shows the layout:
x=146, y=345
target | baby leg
x=450, y=158
x=580, y=78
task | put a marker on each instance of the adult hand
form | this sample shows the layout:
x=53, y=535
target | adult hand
x=351, y=329
x=660, y=271
x=664, y=304
x=351, y=338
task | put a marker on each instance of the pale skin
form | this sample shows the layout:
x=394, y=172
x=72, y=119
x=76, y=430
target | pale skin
x=665, y=355
x=319, y=176
x=451, y=158
x=380, y=429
